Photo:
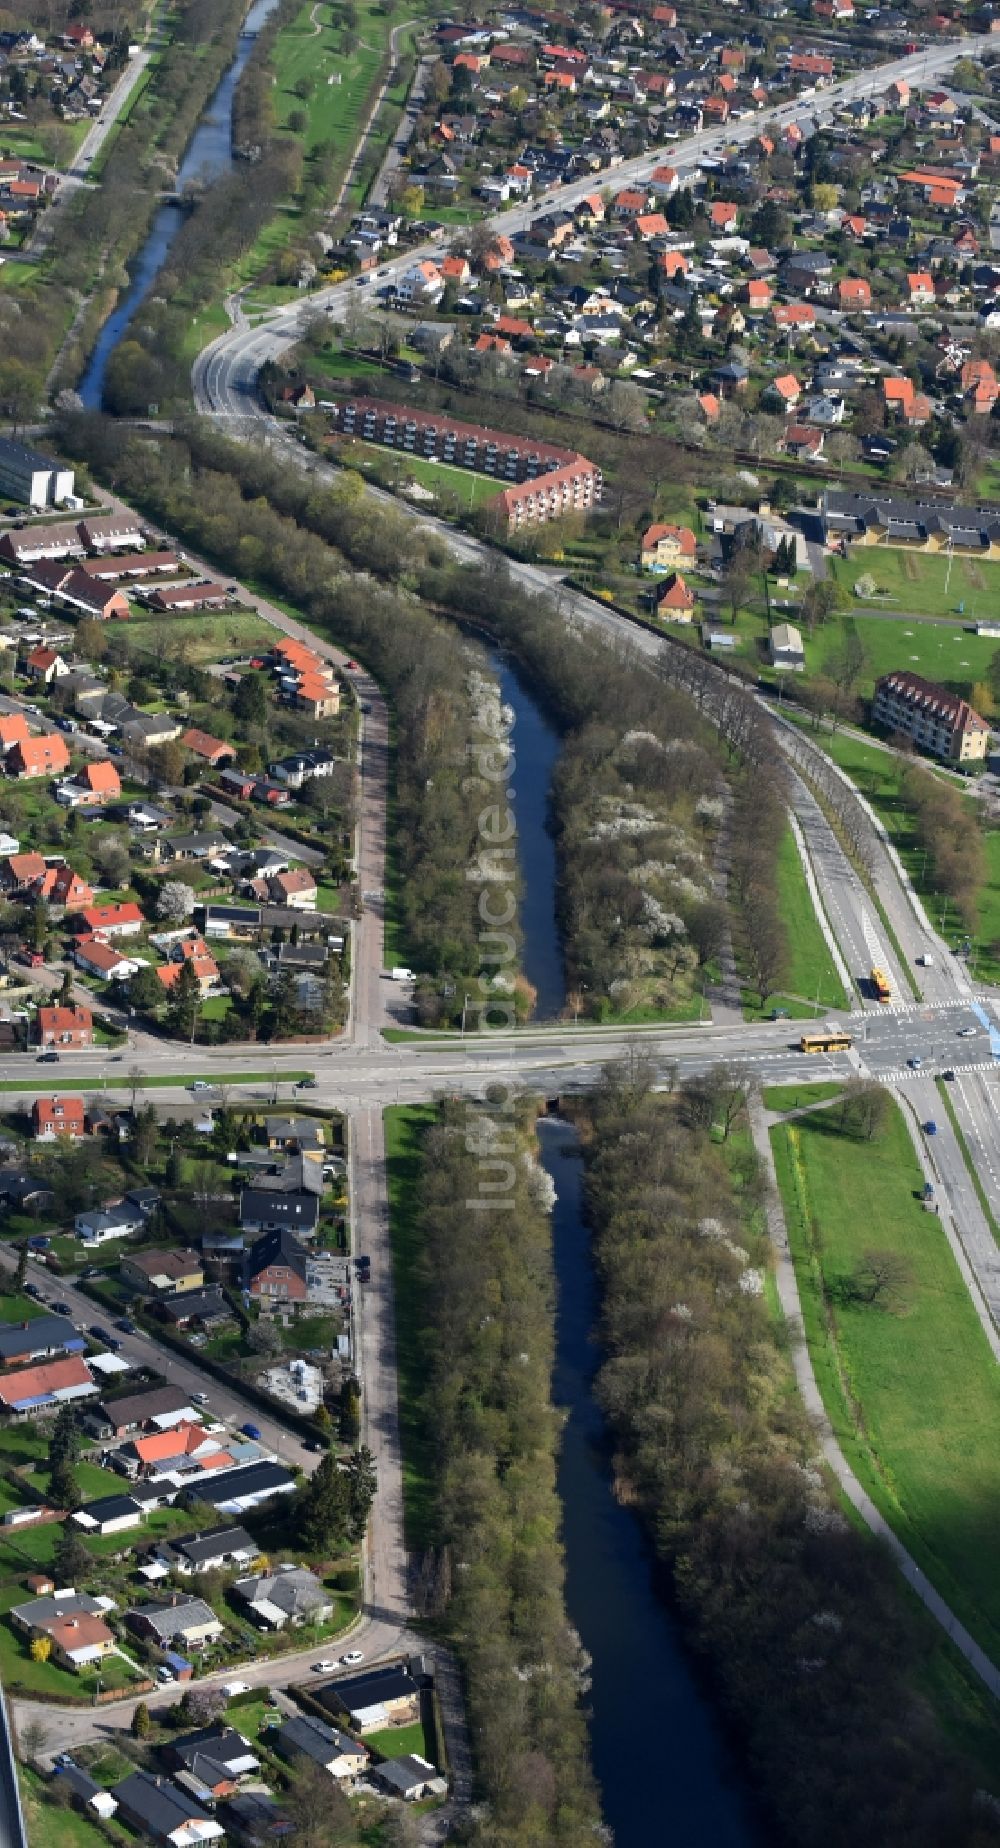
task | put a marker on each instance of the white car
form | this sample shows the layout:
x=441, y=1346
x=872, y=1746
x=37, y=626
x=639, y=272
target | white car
x=200, y=1084
x=352, y=1656
x=199, y=1398
x=324, y=1667
x=232, y=1688
x=966, y=1032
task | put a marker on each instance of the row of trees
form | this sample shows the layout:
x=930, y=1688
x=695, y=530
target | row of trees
x=488, y=1421
x=949, y=831
x=261, y=520
x=801, y=1618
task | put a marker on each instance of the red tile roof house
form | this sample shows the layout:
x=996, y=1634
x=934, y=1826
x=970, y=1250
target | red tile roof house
x=52, y=1117
x=102, y=960
x=854, y=292
x=723, y=214
x=798, y=317
x=62, y=886
x=215, y=751
x=674, y=599
x=787, y=389
x=800, y=440
x=65, y=1026
x=125, y=920
x=46, y=665
x=19, y=871
x=920, y=284
x=51, y=1384
x=96, y=782
x=13, y=730
x=44, y=756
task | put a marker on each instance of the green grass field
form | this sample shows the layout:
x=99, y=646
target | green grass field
x=399, y=1741
x=812, y=974
x=403, y=1130
x=914, y=1398
x=796, y=1096
x=944, y=652
x=452, y=485
x=915, y=581
x=199, y=637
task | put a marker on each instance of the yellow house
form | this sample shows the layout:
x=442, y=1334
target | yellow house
x=663, y=547
x=78, y=1641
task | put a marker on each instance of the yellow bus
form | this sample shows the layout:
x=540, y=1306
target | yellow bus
x=881, y=986
x=830, y=1039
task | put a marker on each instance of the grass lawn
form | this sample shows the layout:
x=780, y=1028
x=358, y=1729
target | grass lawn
x=812, y=981
x=20, y=1309
x=403, y=1131
x=456, y=485
x=52, y=1826
x=399, y=1741
x=914, y=1398
x=915, y=581
x=797, y=1096
x=811, y=971
x=944, y=652
x=199, y=637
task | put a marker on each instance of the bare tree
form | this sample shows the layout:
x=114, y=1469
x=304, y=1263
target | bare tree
x=883, y=1280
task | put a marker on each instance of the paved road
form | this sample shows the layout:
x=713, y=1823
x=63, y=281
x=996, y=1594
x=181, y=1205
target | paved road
x=379, y=190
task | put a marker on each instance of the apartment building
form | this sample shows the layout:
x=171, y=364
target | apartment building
x=936, y=721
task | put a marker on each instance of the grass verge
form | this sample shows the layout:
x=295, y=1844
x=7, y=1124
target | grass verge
x=913, y=1398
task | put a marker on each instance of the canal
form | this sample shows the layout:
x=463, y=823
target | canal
x=209, y=155
x=670, y=1780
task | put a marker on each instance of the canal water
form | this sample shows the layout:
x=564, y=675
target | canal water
x=662, y=1764
x=209, y=154
x=536, y=750
x=667, y=1781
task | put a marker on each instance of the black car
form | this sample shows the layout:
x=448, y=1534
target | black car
x=100, y=1334
x=47, y=1058
x=127, y=1327
x=31, y=1289
x=313, y=1443
x=62, y=1308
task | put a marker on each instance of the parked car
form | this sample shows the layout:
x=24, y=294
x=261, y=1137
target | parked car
x=164, y=1673
x=323, y=1667
x=62, y=1309
x=231, y=1688
x=47, y=1058
x=252, y=1431
x=100, y=1334
x=127, y=1327
x=930, y=1128
x=38, y=1242
x=31, y=1289
x=352, y=1656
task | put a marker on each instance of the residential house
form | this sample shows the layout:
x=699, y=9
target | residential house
x=214, y=751
x=376, y=1698
x=222, y=1547
x=66, y=1026
x=97, y=781
x=44, y=665
x=103, y=961
x=203, y=595
x=160, y=1811
x=111, y=920
x=43, y=1337
x=276, y=1267
x=920, y=287
x=239, y=1491
x=214, y=1758
x=110, y=1514
x=195, y=952
x=176, y=1622
x=854, y=294
x=266, y=1210
x=157, y=1408
x=87, y=1795
x=674, y=600
x=112, y=532
x=665, y=545
x=79, y=1640
x=56, y=1382
x=52, y=1117
x=97, y=1225
x=14, y=729
x=307, y=1738
x=292, y=1595
x=294, y=1134
x=162, y=1273
x=44, y=756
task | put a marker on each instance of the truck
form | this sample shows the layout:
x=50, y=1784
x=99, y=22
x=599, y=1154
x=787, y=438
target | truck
x=400, y=973
x=881, y=986
x=926, y=961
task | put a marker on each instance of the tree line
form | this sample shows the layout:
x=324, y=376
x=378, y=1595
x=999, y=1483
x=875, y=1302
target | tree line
x=813, y=1647
x=249, y=513
x=486, y=1311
